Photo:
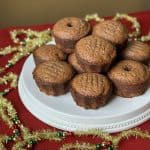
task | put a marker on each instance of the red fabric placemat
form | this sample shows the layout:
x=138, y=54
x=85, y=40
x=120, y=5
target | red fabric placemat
x=34, y=124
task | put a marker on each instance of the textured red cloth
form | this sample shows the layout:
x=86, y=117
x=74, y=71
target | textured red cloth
x=34, y=124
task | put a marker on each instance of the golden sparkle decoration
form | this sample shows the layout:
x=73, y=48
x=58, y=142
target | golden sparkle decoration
x=21, y=136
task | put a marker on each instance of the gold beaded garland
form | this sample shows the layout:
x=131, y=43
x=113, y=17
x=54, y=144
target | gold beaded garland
x=9, y=77
x=78, y=146
x=144, y=38
x=94, y=16
x=11, y=119
x=22, y=137
x=135, y=25
x=29, y=138
x=7, y=50
x=33, y=39
x=133, y=20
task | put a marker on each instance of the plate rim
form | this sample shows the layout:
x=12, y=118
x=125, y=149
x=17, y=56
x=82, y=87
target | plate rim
x=108, y=128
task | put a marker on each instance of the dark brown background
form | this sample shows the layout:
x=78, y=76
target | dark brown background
x=27, y=12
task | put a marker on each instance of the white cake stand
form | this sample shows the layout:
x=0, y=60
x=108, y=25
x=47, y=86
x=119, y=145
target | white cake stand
x=62, y=112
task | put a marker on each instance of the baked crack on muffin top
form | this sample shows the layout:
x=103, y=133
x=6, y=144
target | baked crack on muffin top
x=91, y=84
x=95, y=50
x=53, y=72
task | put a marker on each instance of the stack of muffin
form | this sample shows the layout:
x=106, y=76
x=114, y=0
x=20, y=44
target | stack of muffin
x=92, y=63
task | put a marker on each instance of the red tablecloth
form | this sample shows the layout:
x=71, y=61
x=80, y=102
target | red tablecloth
x=31, y=122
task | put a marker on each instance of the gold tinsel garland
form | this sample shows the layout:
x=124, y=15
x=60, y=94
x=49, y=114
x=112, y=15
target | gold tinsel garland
x=133, y=20
x=116, y=139
x=28, y=137
x=32, y=40
x=94, y=17
x=135, y=25
x=22, y=137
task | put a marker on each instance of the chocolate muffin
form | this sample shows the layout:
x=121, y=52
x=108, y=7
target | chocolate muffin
x=138, y=51
x=91, y=90
x=47, y=53
x=68, y=31
x=73, y=61
x=52, y=77
x=130, y=78
x=111, y=30
x=95, y=54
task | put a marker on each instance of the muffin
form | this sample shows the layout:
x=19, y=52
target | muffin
x=111, y=30
x=138, y=51
x=130, y=78
x=68, y=31
x=73, y=61
x=91, y=90
x=95, y=54
x=53, y=77
x=47, y=53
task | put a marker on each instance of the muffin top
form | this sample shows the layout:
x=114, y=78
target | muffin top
x=71, y=28
x=91, y=84
x=49, y=52
x=111, y=30
x=54, y=72
x=73, y=61
x=137, y=50
x=129, y=72
x=95, y=50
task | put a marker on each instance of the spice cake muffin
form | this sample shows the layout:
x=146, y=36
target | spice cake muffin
x=47, y=53
x=130, y=78
x=138, y=51
x=91, y=90
x=111, y=30
x=95, y=54
x=52, y=77
x=73, y=61
x=68, y=31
